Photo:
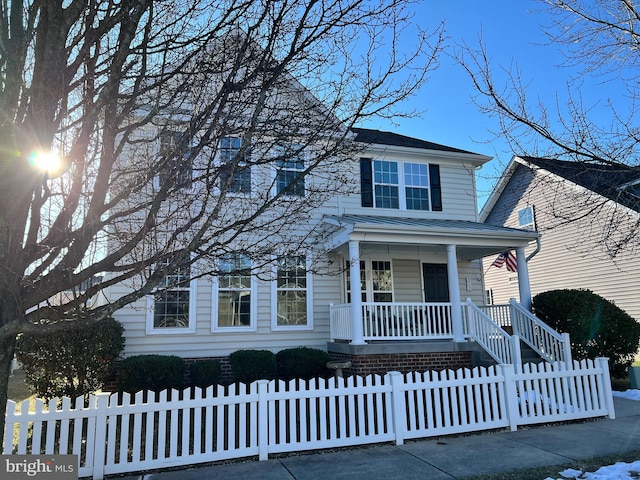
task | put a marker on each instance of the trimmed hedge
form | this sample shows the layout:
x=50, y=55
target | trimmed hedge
x=302, y=362
x=151, y=372
x=72, y=361
x=251, y=365
x=598, y=328
x=204, y=373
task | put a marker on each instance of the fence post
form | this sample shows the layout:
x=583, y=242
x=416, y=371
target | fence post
x=398, y=406
x=603, y=363
x=566, y=350
x=510, y=396
x=100, y=438
x=516, y=353
x=263, y=420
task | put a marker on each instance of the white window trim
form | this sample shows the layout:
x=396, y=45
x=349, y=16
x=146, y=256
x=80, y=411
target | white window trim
x=151, y=330
x=247, y=159
x=274, y=300
x=275, y=169
x=253, y=317
x=527, y=226
x=368, y=277
x=402, y=186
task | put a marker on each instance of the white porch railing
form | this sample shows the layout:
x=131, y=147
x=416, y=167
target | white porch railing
x=503, y=348
x=394, y=321
x=549, y=344
x=544, y=340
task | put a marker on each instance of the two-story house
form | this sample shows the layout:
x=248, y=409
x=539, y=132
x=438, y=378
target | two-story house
x=406, y=232
x=587, y=216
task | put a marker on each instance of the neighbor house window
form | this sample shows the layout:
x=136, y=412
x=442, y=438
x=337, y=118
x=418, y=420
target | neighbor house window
x=177, y=170
x=526, y=219
x=171, y=307
x=233, y=294
x=234, y=156
x=292, y=292
x=290, y=170
x=400, y=185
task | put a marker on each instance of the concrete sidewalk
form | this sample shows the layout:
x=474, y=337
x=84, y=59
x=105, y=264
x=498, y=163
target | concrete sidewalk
x=444, y=457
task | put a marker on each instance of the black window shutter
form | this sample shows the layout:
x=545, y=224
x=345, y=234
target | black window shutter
x=436, y=189
x=366, y=182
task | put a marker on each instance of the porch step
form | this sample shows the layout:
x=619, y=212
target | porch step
x=483, y=359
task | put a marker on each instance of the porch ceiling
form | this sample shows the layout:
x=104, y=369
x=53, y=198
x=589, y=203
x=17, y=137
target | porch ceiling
x=472, y=239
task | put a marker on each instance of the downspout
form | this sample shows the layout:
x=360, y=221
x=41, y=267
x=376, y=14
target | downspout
x=535, y=252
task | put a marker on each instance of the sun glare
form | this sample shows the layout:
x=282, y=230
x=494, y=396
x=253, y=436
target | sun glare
x=45, y=161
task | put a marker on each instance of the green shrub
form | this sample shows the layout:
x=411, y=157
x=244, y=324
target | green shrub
x=598, y=328
x=250, y=365
x=72, y=361
x=151, y=372
x=301, y=362
x=205, y=372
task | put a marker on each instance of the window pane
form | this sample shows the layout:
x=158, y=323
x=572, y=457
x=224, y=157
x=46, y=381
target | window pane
x=234, y=291
x=417, y=198
x=291, y=296
x=381, y=275
x=415, y=175
x=385, y=172
x=387, y=196
x=230, y=148
x=292, y=307
x=171, y=309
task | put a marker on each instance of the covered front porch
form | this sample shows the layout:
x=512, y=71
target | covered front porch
x=420, y=283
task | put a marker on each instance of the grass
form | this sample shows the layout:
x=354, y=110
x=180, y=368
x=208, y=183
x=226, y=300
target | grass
x=538, y=473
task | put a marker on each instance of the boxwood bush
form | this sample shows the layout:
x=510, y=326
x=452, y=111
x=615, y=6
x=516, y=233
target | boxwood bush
x=71, y=361
x=250, y=365
x=302, y=362
x=151, y=372
x=598, y=328
x=204, y=373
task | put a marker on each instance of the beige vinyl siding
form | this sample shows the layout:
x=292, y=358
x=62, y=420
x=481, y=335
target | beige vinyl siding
x=573, y=256
x=407, y=281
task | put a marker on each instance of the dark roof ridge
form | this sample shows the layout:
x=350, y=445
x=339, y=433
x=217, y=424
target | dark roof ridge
x=367, y=135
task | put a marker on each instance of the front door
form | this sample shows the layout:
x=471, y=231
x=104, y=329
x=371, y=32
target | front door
x=436, y=282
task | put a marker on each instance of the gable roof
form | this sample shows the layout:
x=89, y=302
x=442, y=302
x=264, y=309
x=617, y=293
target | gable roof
x=617, y=182
x=366, y=135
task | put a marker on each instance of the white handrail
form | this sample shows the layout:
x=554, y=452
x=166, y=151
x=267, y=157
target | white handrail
x=503, y=348
x=549, y=344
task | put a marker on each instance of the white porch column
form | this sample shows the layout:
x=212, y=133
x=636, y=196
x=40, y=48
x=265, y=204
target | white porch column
x=524, y=287
x=357, y=335
x=454, y=293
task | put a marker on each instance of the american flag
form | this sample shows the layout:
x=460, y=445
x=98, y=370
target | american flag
x=506, y=257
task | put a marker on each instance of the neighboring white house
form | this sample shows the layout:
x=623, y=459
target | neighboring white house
x=584, y=215
x=408, y=232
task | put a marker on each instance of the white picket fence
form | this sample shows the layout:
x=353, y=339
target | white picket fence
x=118, y=434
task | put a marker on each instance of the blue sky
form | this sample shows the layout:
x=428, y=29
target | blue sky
x=511, y=30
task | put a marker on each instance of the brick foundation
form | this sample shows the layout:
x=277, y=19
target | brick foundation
x=380, y=364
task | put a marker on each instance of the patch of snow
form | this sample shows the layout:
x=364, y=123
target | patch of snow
x=630, y=394
x=618, y=471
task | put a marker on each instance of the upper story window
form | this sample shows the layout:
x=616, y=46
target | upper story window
x=178, y=170
x=171, y=308
x=526, y=218
x=233, y=299
x=400, y=185
x=233, y=154
x=290, y=167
